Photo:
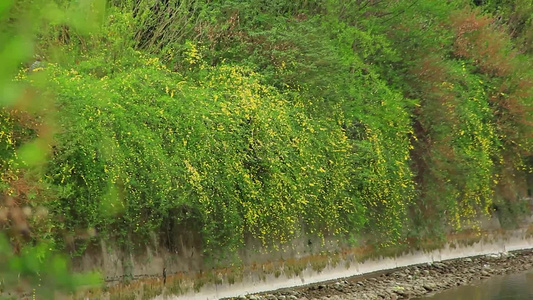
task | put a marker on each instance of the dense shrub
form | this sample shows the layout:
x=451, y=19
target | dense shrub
x=270, y=120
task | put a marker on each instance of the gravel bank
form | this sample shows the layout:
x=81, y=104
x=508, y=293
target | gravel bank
x=409, y=282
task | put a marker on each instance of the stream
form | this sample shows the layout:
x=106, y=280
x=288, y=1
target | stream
x=514, y=286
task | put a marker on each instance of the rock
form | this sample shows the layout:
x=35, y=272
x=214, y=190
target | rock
x=415, y=281
x=439, y=265
x=35, y=65
x=339, y=284
x=405, y=294
x=400, y=290
x=492, y=256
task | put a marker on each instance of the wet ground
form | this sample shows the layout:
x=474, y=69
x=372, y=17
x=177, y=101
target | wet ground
x=421, y=281
x=515, y=287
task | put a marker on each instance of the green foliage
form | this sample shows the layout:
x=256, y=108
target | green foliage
x=462, y=132
x=229, y=150
x=518, y=16
x=271, y=119
x=39, y=271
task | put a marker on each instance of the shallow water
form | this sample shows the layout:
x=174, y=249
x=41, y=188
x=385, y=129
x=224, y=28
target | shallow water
x=515, y=287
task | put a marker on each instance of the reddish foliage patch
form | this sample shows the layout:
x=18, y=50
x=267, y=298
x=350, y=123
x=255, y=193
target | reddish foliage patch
x=478, y=39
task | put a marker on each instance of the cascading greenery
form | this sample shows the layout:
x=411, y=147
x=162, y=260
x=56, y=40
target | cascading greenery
x=232, y=151
x=271, y=119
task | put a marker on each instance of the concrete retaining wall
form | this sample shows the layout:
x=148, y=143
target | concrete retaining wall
x=139, y=275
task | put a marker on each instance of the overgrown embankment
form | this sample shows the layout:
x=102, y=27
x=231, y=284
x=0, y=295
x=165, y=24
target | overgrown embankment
x=261, y=122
